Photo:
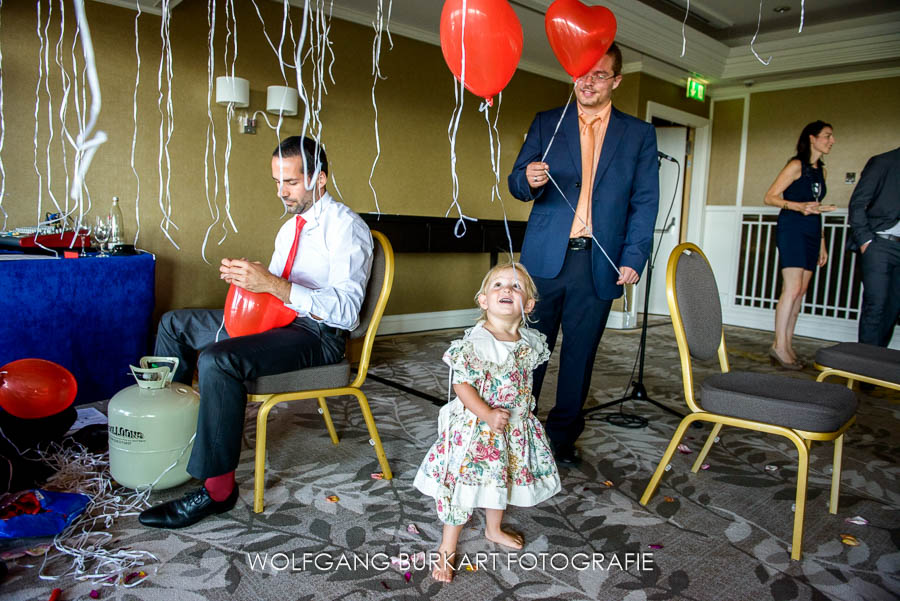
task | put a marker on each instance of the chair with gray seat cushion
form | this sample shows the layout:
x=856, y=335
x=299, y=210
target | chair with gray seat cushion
x=800, y=410
x=330, y=380
x=864, y=362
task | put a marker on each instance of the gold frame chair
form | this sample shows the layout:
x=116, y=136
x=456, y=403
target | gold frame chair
x=827, y=371
x=802, y=439
x=359, y=353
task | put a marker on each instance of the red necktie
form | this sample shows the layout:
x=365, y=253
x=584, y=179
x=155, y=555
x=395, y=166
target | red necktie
x=299, y=223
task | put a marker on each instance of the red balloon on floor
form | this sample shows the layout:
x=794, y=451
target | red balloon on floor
x=493, y=44
x=579, y=35
x=34, y=388
x=254, y=312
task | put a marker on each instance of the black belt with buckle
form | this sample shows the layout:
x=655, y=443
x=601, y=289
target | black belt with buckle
x=890, y=237
x=579, y=243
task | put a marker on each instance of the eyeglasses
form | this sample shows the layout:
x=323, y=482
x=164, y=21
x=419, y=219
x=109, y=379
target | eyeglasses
x=596, y=77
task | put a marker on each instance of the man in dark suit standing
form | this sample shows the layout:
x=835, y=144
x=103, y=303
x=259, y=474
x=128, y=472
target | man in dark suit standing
x=604, y=163
x=875, y=230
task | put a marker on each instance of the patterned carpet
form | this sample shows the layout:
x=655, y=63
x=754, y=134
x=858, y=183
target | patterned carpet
x=720, y=534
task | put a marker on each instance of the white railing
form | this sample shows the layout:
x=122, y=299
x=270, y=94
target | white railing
x=835, y=290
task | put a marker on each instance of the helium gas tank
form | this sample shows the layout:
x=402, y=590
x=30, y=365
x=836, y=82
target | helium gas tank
x=151, y=427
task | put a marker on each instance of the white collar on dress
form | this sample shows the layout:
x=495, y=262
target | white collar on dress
x=488, y=348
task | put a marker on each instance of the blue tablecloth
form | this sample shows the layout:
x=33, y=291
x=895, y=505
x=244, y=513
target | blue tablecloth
x=90, y=315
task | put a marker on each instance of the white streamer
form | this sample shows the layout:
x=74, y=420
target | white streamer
x=134, y=106
x=687, y=11
x=378, y=25
x=64, y=131
x=213, y=204
x=85, y=145
x=752, y=49
x=46, y=49
x=37, y=110
x=802, y=14
x=2, y=136
x=166, y=123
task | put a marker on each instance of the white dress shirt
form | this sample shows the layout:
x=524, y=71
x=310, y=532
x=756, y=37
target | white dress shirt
x=332, y=266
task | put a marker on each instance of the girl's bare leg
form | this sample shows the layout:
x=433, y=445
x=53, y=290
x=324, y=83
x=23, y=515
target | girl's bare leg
x=494, y=533
x=443, y=569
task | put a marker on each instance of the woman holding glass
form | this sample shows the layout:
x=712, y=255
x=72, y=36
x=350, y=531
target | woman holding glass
x=798, y=191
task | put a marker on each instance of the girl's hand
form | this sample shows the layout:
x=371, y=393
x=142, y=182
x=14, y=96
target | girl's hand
x=497, y=420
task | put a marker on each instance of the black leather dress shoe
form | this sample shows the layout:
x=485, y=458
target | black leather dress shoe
x=568, y=456
x=188, y=510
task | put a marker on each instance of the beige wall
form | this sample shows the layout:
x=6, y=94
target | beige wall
x=412, y=177
x=865, y=119
x=725, y=152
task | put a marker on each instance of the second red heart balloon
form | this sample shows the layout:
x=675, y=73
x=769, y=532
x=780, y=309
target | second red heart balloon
x=493, y=44
x=579, y=35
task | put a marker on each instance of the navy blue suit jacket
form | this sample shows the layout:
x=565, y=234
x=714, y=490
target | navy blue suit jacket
x=625, y=195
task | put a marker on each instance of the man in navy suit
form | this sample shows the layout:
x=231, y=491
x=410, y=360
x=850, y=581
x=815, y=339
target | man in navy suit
x=875, y=231
x=604, y=162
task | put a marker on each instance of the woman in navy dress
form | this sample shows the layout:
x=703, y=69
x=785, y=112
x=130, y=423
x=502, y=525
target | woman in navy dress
x=798, y=191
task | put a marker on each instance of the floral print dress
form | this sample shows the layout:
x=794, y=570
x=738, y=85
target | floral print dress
x=471, y=466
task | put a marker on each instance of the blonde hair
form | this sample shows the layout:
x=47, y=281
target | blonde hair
x=524, y=279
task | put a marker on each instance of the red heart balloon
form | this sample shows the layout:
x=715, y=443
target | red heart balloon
x=34, y=388
x=579, y=35
x=254, y=312
x=493, y=44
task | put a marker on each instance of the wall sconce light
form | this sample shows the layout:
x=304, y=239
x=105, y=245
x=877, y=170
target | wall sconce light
x=233, y=90
x=281, y=100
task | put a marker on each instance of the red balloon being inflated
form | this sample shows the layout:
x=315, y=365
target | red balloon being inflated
x=254, y=312
x=35, y=388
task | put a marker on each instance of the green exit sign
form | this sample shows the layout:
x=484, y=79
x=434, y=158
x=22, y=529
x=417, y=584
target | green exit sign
x=695, y=89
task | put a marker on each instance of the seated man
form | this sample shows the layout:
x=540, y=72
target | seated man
x=325, y=285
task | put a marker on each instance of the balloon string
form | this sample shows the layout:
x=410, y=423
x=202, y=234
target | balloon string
x=752, y=49
x=683, y=24
x=459, y=95
x=495, y=189
x=553, y=137
x=597, y=242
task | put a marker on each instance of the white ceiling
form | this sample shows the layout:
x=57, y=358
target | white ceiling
x=840, y=38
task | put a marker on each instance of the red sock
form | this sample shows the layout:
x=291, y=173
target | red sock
x=220, y=487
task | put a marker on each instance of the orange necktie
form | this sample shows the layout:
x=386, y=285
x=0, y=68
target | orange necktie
x=299, y=223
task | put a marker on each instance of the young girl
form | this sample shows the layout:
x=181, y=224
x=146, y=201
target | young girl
x=498, y=452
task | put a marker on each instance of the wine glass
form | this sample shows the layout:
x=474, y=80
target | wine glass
x=101, y=233
x=816, y=190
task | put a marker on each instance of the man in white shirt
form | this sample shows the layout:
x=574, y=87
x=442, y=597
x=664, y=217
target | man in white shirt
x=325, y=284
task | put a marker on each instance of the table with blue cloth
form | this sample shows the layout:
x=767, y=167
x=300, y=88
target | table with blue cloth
x=90, y=315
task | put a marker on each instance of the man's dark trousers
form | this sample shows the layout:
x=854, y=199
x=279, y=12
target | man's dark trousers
x=881, y=291
x=224, y=366
x=570, y=300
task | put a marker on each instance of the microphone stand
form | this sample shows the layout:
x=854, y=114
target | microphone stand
x=638, y=391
